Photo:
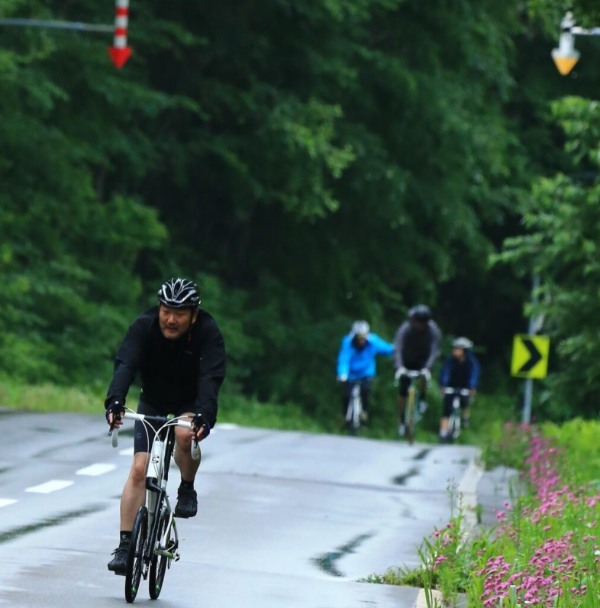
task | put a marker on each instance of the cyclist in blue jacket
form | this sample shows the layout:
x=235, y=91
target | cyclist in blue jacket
x=460, y=370
x=356, y=361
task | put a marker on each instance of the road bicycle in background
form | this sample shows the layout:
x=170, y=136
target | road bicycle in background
x=411, y=411
x=354, y=411
x=154, y=539
x=459, y=395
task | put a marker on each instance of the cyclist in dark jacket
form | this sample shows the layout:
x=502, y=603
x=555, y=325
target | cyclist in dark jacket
x=178, y=352
x=417, y=346
x=461, y=371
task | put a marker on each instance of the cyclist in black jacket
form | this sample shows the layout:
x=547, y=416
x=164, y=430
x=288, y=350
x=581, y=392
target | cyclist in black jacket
x=178, y=352
x=417, y=347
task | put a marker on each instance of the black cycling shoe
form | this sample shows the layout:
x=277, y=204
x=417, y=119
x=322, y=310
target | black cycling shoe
x=118, y=564
x=187, y=503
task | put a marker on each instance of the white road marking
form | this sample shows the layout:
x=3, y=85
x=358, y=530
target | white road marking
x=4, y=502
x=96, y=469
x=225, y=426
x=126, y=452
x=50, y=486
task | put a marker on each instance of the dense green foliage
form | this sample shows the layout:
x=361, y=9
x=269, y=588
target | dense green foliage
x=307, y=164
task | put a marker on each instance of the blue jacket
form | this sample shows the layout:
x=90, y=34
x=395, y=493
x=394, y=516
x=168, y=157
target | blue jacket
x=455, y=374
x=357, y=363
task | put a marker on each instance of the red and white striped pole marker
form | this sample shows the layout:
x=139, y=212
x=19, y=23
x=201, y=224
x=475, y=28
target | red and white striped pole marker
x=119, y=52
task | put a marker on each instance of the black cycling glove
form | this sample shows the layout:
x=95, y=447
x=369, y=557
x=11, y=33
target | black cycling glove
x=115, y=407
x=198, y=423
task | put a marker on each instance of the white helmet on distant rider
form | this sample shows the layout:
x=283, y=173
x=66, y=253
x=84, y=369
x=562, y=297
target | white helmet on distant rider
x=463, y=343
x=360, y=328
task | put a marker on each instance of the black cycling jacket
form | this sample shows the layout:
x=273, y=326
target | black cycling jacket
x=186, y=371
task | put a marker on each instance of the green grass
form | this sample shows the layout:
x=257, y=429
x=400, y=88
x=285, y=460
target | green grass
x=49, y=398
x=233, y=408
x=250, y=412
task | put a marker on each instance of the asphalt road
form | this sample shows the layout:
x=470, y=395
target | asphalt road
x=285, y=519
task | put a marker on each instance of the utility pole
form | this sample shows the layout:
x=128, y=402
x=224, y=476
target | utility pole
x=535, y=324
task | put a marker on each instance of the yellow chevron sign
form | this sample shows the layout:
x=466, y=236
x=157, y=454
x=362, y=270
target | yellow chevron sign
x=530, y=356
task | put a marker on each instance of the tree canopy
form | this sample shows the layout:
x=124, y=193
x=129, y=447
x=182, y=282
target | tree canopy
x=307, y=163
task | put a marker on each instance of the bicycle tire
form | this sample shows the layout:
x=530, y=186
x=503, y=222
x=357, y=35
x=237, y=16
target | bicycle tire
x=160, y=563
x=454, y=427
x=135, y=559
x=410, y=415
x=454, y=422
x=353, y=414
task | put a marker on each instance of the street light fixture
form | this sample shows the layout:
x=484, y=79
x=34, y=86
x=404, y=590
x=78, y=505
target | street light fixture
x=565, y=56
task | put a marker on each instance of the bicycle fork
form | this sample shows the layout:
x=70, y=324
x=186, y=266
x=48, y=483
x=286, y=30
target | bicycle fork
x=158, y=496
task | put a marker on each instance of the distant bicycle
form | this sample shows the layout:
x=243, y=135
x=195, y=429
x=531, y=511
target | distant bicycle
x=154, y=538
x=354, y=411
x=460, y=396
x=411, y=412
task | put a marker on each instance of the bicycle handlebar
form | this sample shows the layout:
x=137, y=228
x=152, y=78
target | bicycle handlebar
x=411, y=373
x=465, y=392
x=163, y=421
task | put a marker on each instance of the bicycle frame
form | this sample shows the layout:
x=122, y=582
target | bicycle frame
x=155, y=540
x=454, y=421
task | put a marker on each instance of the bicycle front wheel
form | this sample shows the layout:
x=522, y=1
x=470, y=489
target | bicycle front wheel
x=410, y=416
x=454, y=431
x=164, y=552
x=135, y=560
x=352, y=418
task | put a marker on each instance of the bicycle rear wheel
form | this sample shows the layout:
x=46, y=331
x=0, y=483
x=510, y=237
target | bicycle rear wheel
x=163, y=554
x=135, y=560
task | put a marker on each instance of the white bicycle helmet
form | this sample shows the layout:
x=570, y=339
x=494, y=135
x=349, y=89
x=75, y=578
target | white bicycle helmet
x=462, y=342
x=360, y=328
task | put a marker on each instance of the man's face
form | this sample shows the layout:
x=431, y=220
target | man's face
x=418, y=325
x=458, y=353
x=361, y=340
x=175, y=322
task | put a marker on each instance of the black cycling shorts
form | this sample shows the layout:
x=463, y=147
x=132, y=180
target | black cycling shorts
x=143, y=436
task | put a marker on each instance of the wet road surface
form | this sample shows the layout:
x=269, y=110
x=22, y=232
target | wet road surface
x=285, y=519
